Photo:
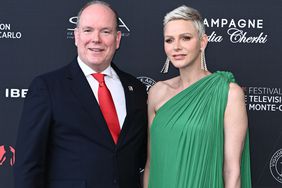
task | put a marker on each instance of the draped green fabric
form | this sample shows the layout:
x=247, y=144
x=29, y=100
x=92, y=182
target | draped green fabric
x=187, y=138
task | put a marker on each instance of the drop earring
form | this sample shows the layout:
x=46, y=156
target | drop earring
x=165, y=66
x=203, y=61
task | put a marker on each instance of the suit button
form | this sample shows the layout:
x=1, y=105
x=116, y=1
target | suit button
x=115, y=181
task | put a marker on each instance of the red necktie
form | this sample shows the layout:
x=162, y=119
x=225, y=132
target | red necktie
x=107, y=106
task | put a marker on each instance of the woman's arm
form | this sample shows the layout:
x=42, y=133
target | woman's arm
x=235, y=127
x=154, y=97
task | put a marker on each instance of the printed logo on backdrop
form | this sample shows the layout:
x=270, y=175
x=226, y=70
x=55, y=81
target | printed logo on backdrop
x=237, y=30
x=275, y=165
x=7, y=156
x=8, y=32
x=148, y=82
x=125, y=31
x=267, y=99
x=15, y=93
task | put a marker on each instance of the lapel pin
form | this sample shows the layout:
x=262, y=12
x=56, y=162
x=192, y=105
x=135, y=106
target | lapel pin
x=130, y=88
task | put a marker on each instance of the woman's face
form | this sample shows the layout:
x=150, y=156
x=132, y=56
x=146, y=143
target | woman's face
x=182, y=43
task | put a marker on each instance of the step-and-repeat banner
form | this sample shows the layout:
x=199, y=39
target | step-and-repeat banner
x=244, y=38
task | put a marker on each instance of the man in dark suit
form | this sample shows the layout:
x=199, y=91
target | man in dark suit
x=64, y=140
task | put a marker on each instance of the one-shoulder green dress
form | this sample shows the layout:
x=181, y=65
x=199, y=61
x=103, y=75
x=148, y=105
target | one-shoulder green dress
x=187, y=138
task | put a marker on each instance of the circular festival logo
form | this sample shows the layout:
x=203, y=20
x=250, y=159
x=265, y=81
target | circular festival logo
x=275, y=165
x=148, y=82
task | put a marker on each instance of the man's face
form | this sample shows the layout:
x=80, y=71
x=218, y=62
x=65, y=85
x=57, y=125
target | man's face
x=96, y=37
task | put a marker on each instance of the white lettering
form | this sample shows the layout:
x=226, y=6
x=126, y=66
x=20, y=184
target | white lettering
x=265, y=99
x=73, y=20
x=214, y=38
x=5, y=26
x=15, y=93
x=224, y=22
x=259, y=24
x=264, y=90
x=231, y=23
x=123, y=24
x=10, y=35
x=262, y=107
x=238, y=36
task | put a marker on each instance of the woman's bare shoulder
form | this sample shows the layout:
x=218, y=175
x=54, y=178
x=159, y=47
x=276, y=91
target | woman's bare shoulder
x=235, y=92
x=161, y=87
x=160, y=93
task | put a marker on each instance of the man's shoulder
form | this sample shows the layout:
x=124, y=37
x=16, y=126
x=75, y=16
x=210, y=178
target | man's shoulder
x=58, y=72
x=53, y=76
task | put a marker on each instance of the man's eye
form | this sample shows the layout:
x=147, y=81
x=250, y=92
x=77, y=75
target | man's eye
x=86, y=30
x=168, y=40
x=106, y=31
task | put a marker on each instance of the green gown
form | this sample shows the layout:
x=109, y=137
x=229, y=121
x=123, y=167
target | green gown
x=187, y=138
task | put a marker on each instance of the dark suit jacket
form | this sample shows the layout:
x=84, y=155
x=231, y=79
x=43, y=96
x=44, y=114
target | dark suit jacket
x=64, y=142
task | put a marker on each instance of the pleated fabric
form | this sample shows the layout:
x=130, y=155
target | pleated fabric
x=187, y=138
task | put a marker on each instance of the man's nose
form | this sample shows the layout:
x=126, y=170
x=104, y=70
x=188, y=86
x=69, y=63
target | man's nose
x=96, y=37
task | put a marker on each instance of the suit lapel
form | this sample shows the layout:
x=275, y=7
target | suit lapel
x=82, y=91
x=129, y=98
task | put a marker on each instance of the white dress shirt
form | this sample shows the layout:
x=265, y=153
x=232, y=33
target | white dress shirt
x=114, y=85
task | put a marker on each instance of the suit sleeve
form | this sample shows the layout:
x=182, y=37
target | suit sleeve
x=143, y=151
x=32, y=140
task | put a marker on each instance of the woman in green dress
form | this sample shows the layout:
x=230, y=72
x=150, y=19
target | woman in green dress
x=198, y=127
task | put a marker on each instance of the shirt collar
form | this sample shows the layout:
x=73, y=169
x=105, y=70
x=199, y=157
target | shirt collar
x=109, y=71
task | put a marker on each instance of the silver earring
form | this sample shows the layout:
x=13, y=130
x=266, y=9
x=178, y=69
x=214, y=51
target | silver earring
x=203, y=61
x=165, y=67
